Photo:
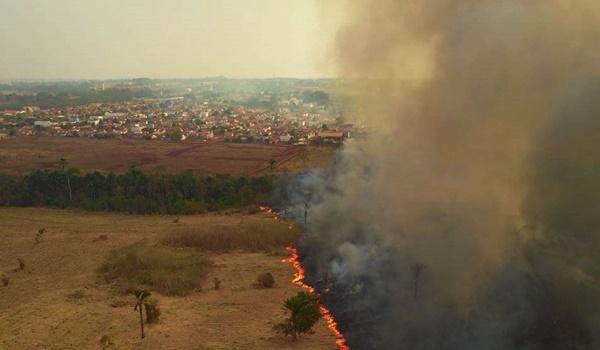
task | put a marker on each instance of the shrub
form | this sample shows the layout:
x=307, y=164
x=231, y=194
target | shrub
x=21, y=264
x=304, y=312
x=76, y=295
x=217, y=283
x=265, y=280
x=5, y=280
x=105, y=342
x=39, y=234
x=152, y=311
x=253, y=209
x=119, y=302
x=166, y=270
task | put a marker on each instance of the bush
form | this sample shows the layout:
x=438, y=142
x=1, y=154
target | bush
x=166, y=270
x=21, y=264
x=304, y=313
x=253, y=209
x=265, y=280
x=5, y=280
x=217, y=283
x=253, y=235
x=76, y=295
x=105, y=342
x=152, y=311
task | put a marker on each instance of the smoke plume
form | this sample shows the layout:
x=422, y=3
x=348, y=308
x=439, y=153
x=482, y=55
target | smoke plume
x=470, y=217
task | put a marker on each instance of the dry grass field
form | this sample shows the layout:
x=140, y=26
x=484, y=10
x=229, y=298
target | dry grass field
x=60, y=301
x=24, y=154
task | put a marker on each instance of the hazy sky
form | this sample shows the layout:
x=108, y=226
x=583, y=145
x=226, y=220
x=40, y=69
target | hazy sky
x=54, y=39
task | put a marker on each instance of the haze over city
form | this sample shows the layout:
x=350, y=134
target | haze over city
x=71, y=39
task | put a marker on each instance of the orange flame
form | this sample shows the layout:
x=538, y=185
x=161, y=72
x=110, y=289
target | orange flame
x=266, y=209
x=299, y=280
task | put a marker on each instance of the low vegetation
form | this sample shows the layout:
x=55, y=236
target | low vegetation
x=257, y=235
x=160, y=268
x=216, y=283
x=76, y=295
x=265, y=280
x=105, y=342
x=38, y=236
x=152, y=310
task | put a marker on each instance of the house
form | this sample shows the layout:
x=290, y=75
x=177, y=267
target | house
x=285, y=138
x=332, y=136
x=42, y=123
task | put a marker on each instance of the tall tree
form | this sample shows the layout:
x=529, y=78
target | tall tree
x=141, y=296
x=63, y=165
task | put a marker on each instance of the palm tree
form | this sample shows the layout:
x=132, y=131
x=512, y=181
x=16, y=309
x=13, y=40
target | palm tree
x=141, y=295
x=63, y=165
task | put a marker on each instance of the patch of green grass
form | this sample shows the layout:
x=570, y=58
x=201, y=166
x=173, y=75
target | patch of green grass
x=260, y=235
x=159, y=268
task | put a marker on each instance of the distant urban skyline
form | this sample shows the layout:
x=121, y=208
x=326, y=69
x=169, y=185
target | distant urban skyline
x=124, y=39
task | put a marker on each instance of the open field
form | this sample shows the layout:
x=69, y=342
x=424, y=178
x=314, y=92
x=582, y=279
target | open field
x=24, y=154
x=59, y=302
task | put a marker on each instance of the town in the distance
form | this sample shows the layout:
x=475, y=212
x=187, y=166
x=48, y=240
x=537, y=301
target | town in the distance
x=287, y=111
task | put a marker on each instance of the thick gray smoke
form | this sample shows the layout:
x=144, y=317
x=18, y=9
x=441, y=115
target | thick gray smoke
x=470, y=218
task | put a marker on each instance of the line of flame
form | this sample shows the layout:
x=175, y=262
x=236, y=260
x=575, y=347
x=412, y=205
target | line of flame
x=299, y=280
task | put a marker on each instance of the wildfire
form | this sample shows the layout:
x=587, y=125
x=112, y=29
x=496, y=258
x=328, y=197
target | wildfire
x=299, y=280
x=266, y=209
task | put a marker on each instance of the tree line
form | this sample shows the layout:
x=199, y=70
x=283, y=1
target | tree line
x=133, y=191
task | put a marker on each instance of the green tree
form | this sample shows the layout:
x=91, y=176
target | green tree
x=174, y=134
x=141, y=296
x=304, y=312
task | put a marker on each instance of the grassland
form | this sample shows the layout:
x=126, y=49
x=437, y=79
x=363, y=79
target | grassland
x=60, y=300
x=20, y=155
x=248, y=235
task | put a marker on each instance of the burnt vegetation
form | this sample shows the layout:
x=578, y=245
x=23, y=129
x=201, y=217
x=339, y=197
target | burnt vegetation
x=484, y=169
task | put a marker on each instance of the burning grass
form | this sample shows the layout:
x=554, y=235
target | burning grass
x=299, y=277
x=254, y=234
x=157, y=267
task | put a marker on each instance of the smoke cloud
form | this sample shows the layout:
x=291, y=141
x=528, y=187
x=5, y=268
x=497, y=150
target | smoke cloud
x=469, y=218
